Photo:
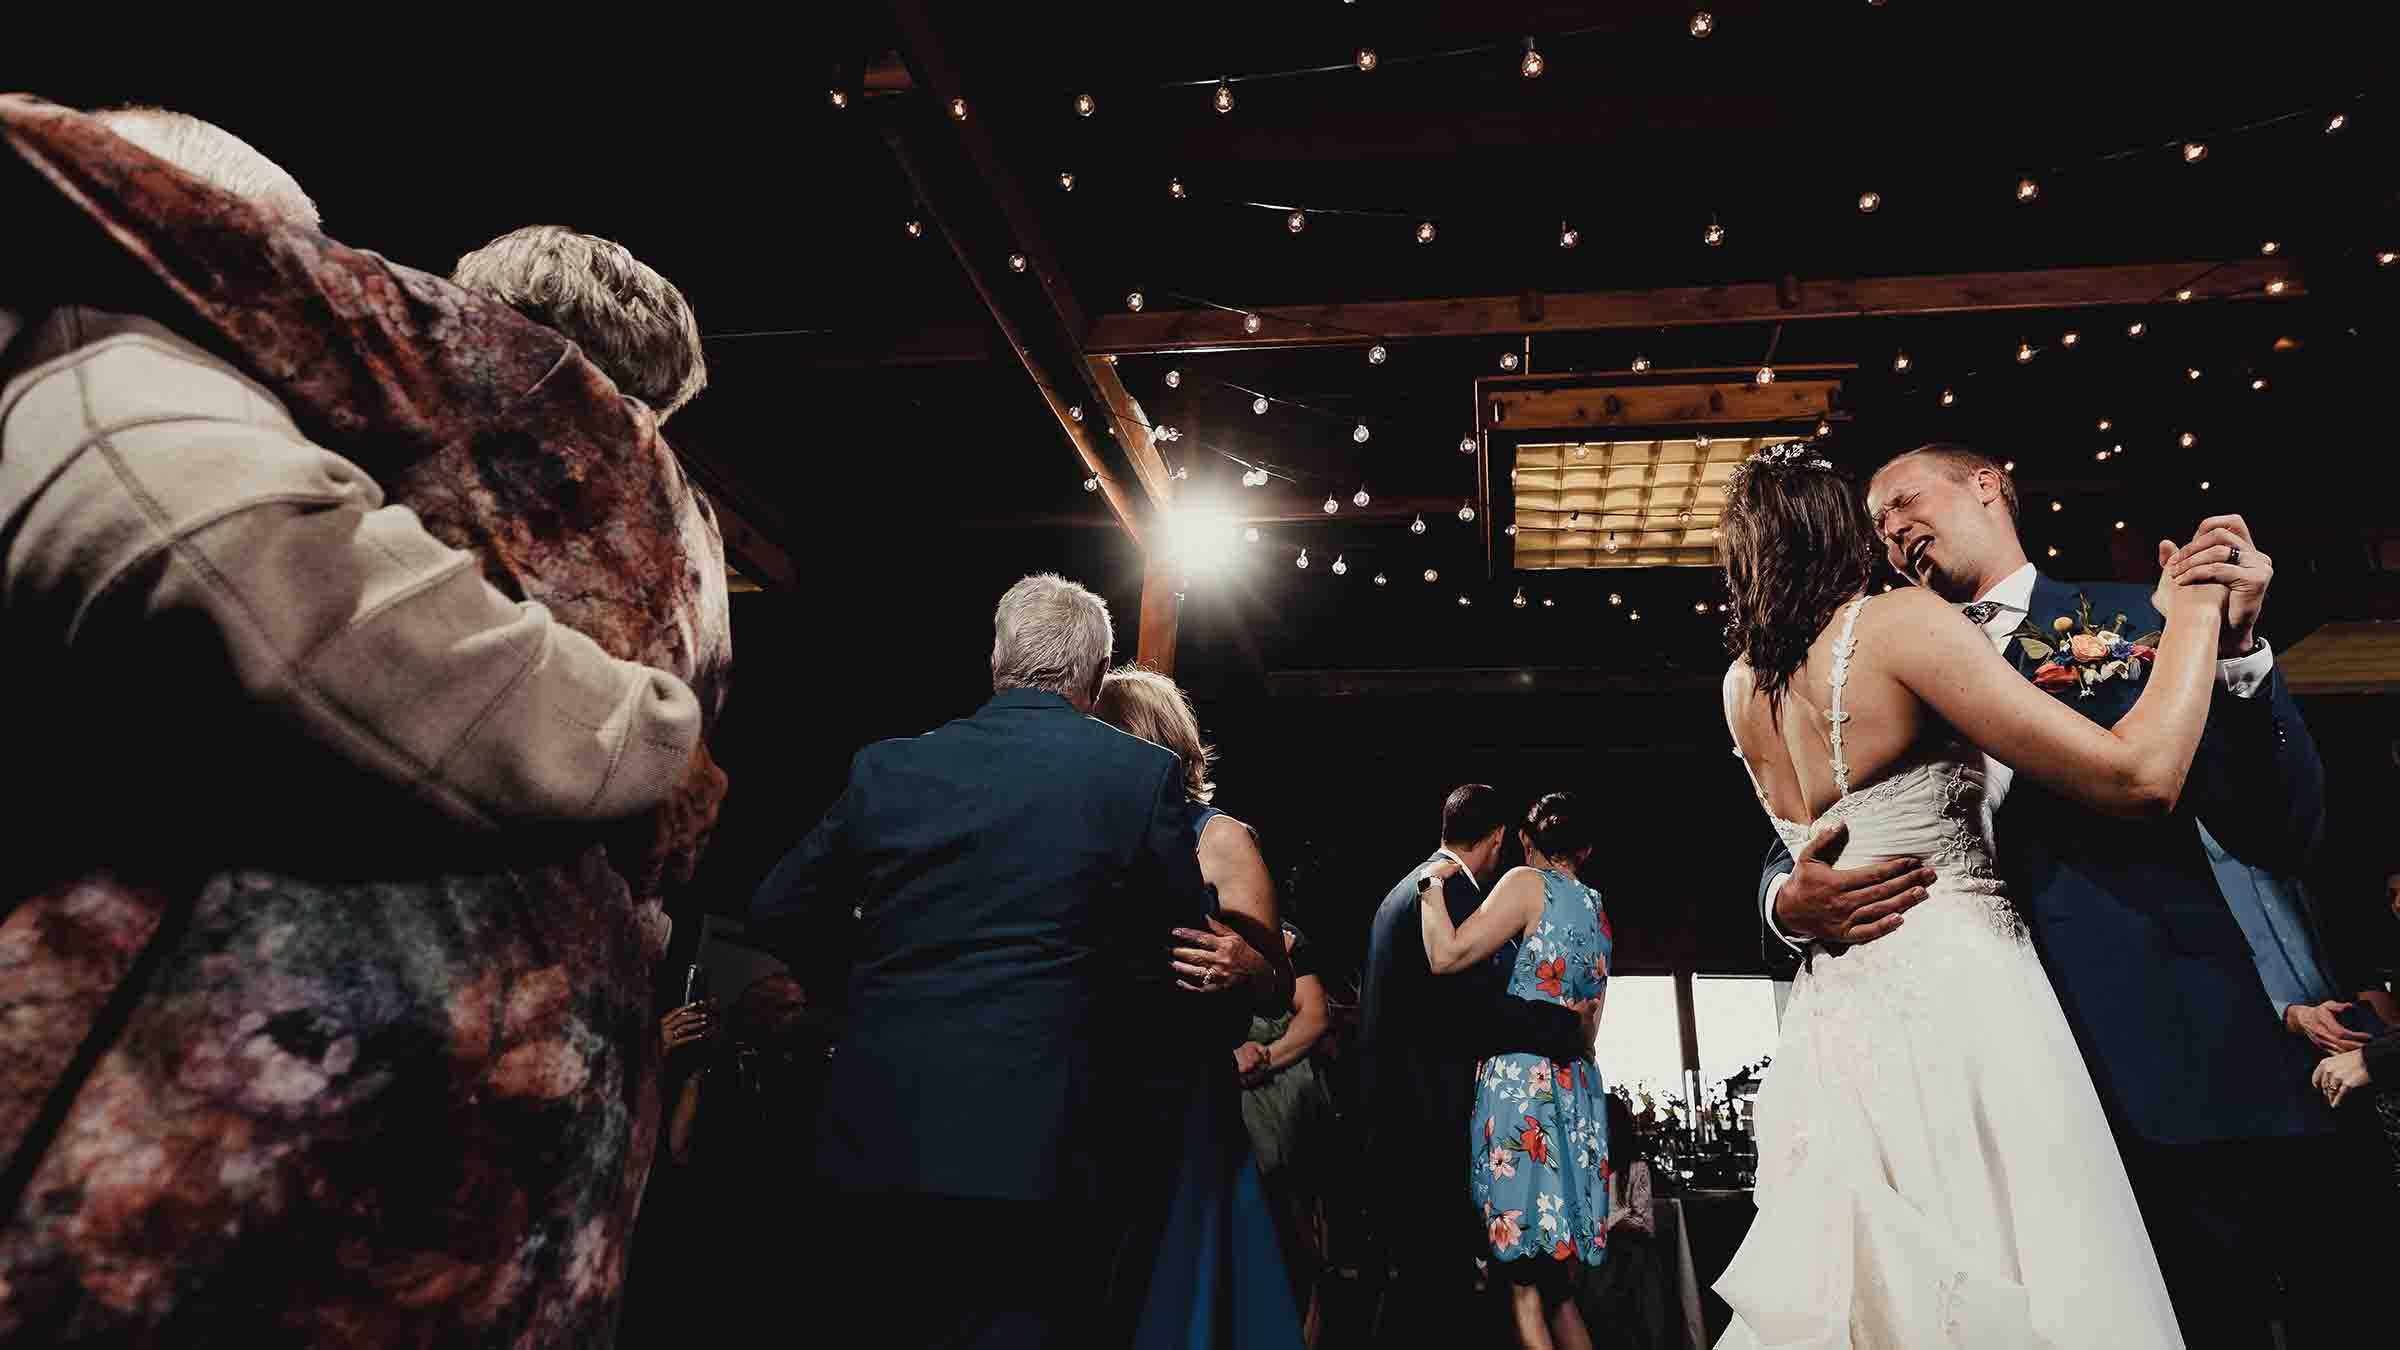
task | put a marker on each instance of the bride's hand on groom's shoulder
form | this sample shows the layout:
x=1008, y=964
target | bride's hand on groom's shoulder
x=1440, y=873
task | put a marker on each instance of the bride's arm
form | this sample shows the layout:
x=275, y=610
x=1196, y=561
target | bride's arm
x=1507, y=914
x=2134, y=768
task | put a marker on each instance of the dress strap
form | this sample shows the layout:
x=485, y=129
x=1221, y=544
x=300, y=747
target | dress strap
x=1843, y=646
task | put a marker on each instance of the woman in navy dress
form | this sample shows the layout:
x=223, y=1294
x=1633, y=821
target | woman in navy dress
x=1538, y=1138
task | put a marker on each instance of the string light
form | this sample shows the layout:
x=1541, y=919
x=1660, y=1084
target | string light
x=1075, y=413
x=1250, y=535
x=1376, y=355
x=1567, y=237
x=1359, y=433
x=1366, y=58
x=1583, y=452
x=1331, y=505
x=2009, y=467
x=2069, y=338
x=2105, y=424
x=1518, y=600
x=2194, y=152
x=1531, y=67
x=2057, y=505
x=2276, y=287
x=1700, y=607
x=1254, y=478
x=2204, y=485
x=1251, y=323
x=1086, y=105
x=2336, y=123
x=1259, y=405
x=2187, y=440
x=1092, y=484
x=2269, y=249
x=1510, y=529
x=2120, y=525
x=1175, y=188
x=1615, y=599
x=1424, y=231
x=1417, y=526
x=1713, y=235
x=1303, y=563
x=1703, y=24
x=1824, y=428
x=1463, y=602
x=1869, y=203
x=2136, y=329
x=1340, y=567
x=958, y=110
x=2191, y=372
x=1296, y=221
x=1174, y=379
x=1468, y=445
x=916, y=229
x=2384, y=259
x=1900, y=363
x=840, y=99
x=1133, y=301
x=1641, y=364
x=2054, y=550
x=2024, y=352
x=1432, y=576
x=2027, y=189
x=1609, y=545
x=1381, y=579
x=1016, y=262
x=1549, y=602
x=1508, y=360
x=1466, y=513
x=1633, y=616
x=1765, y=375
x=2100, y=455
x=1360, y=499
x=1949, y=397
x=1224, y=98
x=2258, y=383
x=2184, y=296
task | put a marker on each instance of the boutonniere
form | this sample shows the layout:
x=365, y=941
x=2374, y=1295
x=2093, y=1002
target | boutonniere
x=2075, y=653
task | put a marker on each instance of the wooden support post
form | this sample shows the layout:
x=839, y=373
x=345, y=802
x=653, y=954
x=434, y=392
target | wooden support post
x=1161, y=608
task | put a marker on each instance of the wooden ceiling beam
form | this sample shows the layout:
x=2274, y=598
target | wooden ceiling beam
x=1208, y=330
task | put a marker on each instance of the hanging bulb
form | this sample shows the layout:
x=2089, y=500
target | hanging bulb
x=1700, y=442
x=2336, y=123
x=1633, y=616
x=1224, y=97
x=2187, y=440
x=2056, y=505
x=1092, y=484
x=1424, y=231
x=2120, y=525
x=1303, y=563
x=1531, y=67
x=1949, y=397
x=1700, y=607
x=1359, y=433
x=916, y=229
x=840, y=99
x=1466, y=513
x=2194, y=151
x=2027, y=189
x=2191, y=372
x=1583, y=452
x=1824, y=428
x=1463, y=602
x=1870, y=202
x=1468, y=445
x=1251, y=323
x=1016, y=262
x=1610, y=544
x=1366, y=58
x=1703, y=24
x=2009, y=467
x=1900, y=363
x=1066, y=181
x=1381, y=579
x=2269, y=249
x=2024, y=352
x=1174, y=379
x=2054, y=550
x=958, y=110
x=2136, y=329
x=1175, y=188
x=1432, y=575
x=1615, y=599
x=1567, y=237
x=1765, y=375
x=2384, y=259
x=1360, y=498
x=1339, y=567
x=1075, y=413
x=1713, y=235
x=2105, y=424
x=1250, y=535
x=2277, y=286
x=1259, y=405
x=2069, y=338
x=1331, y=505
x=1510, y=529
x=1641, y=364
x=2204, y=485
x=1376, y=355
x=1549, y=602
x=2101, y=455
x=1133, y=301
x=2184, y=296
x=1518, y=599
x=1417, y=526
x=2258, y=383
x=1296, y=221
x=1509, y=360
x=1085, y=105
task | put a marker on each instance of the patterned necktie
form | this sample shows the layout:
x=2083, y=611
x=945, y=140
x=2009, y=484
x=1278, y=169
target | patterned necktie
x=1982, y=612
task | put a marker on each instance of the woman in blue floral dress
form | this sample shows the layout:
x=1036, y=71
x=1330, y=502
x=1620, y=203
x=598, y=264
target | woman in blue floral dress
x=1538, y=1139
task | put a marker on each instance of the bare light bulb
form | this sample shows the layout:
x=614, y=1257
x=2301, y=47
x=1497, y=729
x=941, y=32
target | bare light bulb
x=841, y=99
x=1508, y=360
x=1376, y=355
x=2024, y=352
x=1870, y=202
x=1615, y=599
x=2258, y=383
x=2105, y=424
x=2184, y=296
x=1366, y=58
x=1424, y=231
x=1549, y=602
x=1700, y=607
x=2336, y=123
x=1360, y=498
x=1092, y=484
x=1340, y=567
x=1463, y=602
x=1066, y=181
x=2009, y=467
x=2100, y=455
x=1900, y=363
x=1518, y=600
x=1296, y=221
x=1302, y=564
x=2204, y=485
x=1174, y=379
x=2277, y=286
x=1567, y=237
x=1466, y=512
x=2187, y=440
x=2194, y=151
x=2120, y=525
x=1700, y=442
x=1075, y=413
x=2069, y=338
x=1531, y=67
x=1609, y=545
x=2054, y=550
x=1713, y=235
x=2056, y=505
x=1016, y=262
x=1359, y=433
x=1381, y=579
x=2027, y=189
x=1259, y=405
x=1467, y=445
x=1703, y=24
x=1133, y=301
x=2136, y=329
x=1251, y=323
x=1824, y=428
x=2269, y=249
x=1633, y=616
x=2191, y=372
x=1432, y=576
x=1765, y=375
x=1417, y=526
x=1224, y=97
x=1175, y=188
x=1641, y=364
x=1949, y=397
x=1331, y=505
x=958, y=110
x=916, y=229
x=2384, y=259
x=1085, y=105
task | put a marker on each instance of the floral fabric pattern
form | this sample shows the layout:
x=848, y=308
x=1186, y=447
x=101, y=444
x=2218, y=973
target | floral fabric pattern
x=1539, y=1133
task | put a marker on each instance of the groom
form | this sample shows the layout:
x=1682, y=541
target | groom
x=2209, y=1097
x=1420, y=1036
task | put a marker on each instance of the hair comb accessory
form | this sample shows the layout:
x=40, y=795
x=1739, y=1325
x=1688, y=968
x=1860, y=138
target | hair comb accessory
x=1792, y=454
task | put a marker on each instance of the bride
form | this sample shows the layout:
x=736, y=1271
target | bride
x=1934, y=1168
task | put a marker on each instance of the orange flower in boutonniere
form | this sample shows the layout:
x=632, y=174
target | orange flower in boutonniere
x=2078, y=654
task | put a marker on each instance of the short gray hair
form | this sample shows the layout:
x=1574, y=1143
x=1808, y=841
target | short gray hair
x=1050, y=633
x=633, y=323
x=215, y=156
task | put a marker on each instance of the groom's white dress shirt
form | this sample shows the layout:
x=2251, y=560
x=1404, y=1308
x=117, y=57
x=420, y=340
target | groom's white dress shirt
x=2243, y=676
x=1463, y=869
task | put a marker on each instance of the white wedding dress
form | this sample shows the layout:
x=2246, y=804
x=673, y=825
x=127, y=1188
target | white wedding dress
x=1933, y=1165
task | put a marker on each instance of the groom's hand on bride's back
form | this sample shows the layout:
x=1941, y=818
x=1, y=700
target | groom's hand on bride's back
x=1846, y=906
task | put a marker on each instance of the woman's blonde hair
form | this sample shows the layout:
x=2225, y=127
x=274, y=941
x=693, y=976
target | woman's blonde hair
x=1155, y=708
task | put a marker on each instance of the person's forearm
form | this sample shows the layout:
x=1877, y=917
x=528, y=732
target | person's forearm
x=2163, y=729
x=1295, y=1042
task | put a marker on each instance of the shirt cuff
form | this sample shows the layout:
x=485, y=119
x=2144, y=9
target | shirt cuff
x=1775, y=888
x=2283, y=1013
x=2244, y=676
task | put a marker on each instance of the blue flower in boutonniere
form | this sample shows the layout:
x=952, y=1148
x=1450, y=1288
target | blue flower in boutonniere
x=2078, y=654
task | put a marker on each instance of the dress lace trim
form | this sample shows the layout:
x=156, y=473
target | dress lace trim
x=1843, y=646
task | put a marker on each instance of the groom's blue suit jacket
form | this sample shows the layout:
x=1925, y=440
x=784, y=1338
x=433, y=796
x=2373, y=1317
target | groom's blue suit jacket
x=2148, y=961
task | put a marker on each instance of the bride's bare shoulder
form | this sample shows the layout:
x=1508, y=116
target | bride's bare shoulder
x=1909, y=607
x=1740, y=683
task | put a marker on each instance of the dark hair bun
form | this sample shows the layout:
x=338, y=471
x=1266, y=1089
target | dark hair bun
x=1560, y=826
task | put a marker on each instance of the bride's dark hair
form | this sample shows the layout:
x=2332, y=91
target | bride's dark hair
x=1798, y=543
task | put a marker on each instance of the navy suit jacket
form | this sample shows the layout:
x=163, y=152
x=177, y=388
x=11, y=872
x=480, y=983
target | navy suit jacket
x=1014, y=876
x=1420, y=1035
x=2148, y=962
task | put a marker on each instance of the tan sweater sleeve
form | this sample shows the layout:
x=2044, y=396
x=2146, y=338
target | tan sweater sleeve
x=158, y=503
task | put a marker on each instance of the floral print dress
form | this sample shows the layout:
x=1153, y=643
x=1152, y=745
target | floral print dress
x=1539, y=1133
